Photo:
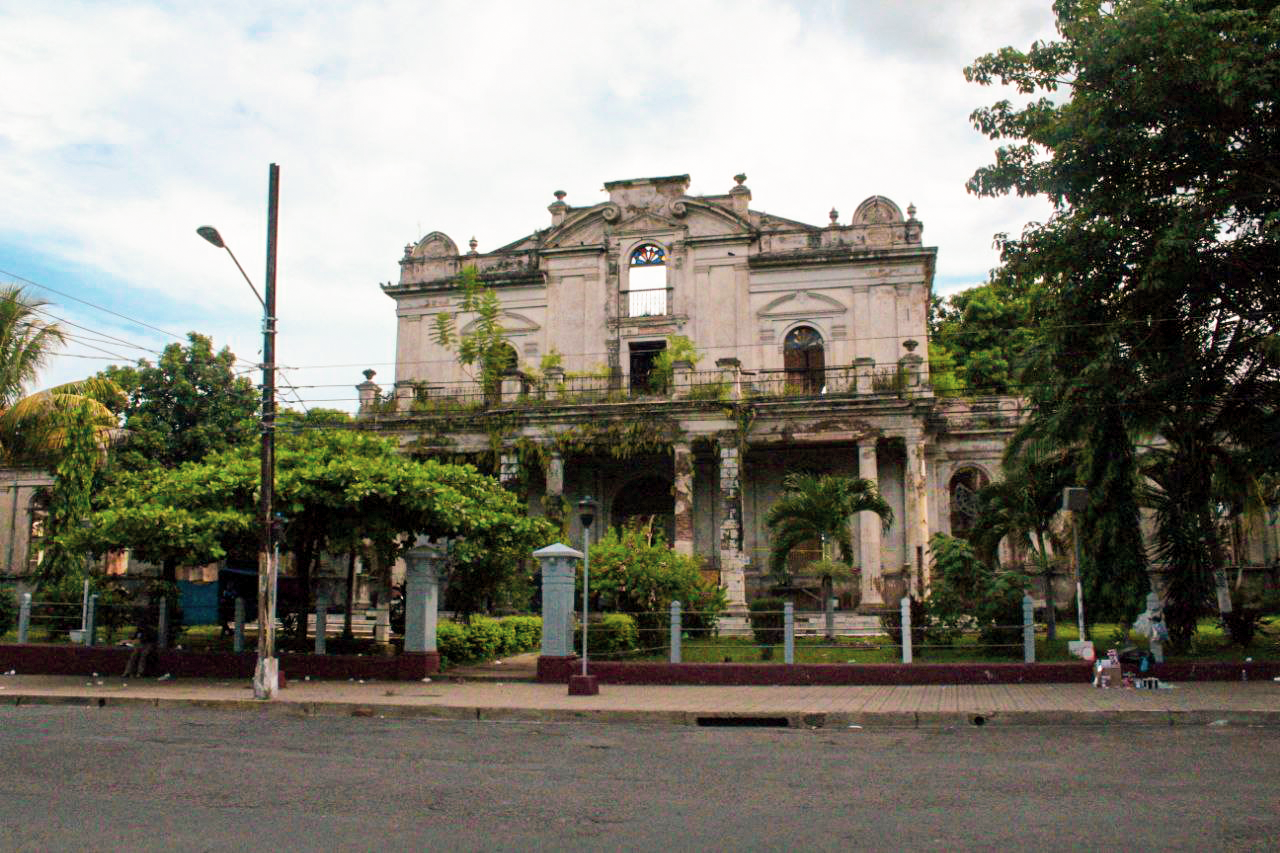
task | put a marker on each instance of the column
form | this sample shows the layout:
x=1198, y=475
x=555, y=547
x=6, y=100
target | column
x=683, y=498
x=869, y=526
x=559, y=570
x=915, y=490
x=508, y=467
x=421, y=595
x=732, y=576
x=553, y=497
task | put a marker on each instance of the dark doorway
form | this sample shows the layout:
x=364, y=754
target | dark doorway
x=804, y=360
x=644, y=500
x=643, y=354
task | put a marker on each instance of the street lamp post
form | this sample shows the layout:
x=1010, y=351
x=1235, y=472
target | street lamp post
x=586, y=514
x=266, y=675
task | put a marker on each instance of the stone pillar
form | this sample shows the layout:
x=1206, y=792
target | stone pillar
x=423, y=563
x=864, y=372
x=915, y=492
x=553, y=383
x=683, y=498
x=731, y=376
x=869, y=526
x=682, y=378
x=368, y=391
x=512, y=386
x=732, y=576
x=553, y=496
x=559, y=569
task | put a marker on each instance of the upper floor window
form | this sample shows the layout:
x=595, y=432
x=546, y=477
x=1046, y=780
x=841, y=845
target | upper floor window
x=803, y=358
x=647, y=281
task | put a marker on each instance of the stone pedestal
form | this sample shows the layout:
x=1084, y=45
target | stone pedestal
x=421, y=595
x=869, y=527
x=683, y=498
x=559, y=568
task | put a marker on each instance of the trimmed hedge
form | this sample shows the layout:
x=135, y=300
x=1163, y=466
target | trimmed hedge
x=615, y=635
x=485, y=638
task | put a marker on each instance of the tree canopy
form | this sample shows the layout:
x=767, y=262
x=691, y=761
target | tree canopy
x=1153, y=131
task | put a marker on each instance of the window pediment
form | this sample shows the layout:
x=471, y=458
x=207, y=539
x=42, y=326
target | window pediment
x=802, y=303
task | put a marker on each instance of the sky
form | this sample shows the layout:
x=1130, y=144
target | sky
x=126, y=125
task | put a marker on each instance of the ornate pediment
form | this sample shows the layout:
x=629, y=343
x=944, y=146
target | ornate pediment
x=435, y=245
x=801, y=303
x=647, y=221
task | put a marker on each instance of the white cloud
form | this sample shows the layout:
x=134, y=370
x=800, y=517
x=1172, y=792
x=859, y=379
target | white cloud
x=132, y=123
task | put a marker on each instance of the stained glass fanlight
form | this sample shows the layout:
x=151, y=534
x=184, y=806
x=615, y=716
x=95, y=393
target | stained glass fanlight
x=648, y=255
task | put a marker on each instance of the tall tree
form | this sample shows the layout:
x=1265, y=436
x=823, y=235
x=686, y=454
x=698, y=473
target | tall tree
x=188, y=404
x=1159, y=263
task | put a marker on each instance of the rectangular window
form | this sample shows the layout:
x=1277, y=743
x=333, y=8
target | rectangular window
x=643, y=354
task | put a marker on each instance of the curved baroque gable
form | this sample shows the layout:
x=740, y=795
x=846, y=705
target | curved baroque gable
x=436, y=245
x=877, y=210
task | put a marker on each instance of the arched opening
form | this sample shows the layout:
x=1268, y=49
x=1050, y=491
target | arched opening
x=37, y=524
x=804, y=360
x=505, y=359
x=646, y=501
x=647, y=281
x=963, y=491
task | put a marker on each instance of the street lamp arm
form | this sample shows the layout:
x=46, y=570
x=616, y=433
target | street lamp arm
x=211, y=234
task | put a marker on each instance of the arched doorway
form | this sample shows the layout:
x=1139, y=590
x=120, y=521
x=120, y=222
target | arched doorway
x=804, y=360
x=963, y=492
x=646, y=500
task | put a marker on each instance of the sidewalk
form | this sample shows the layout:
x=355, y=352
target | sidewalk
x=1043, y=704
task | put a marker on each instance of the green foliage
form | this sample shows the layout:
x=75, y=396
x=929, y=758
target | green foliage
x=678, y=348
x=637, y=575
x=186, y=406
x=69, y=501
x=923, y=632
x=942, y=372
x=620, y=439
x=451, y=643
x=483, y=350
x=986, y=332
x=819, y=508
x=967, y=593
x=8, y=609
x=767, y=623
x=1158, y=265
x=551, y=360
x=527, y=631
x=484, y=639
x=615, y=635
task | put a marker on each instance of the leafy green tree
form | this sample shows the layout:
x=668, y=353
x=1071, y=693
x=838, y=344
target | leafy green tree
x=190, y=403
x=966, y=592
x=483, y=349
x=986, y=332
x=819, y=508
x=1158, y=265
x=663, y=371
x=26, y=341
x=69, y=501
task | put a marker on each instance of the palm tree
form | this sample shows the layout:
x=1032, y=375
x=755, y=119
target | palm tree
x=33, y=428
x=819, y=507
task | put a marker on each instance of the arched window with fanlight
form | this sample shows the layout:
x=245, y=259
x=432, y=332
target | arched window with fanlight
x=647, y=282
x=963, y=492
x=804, y=360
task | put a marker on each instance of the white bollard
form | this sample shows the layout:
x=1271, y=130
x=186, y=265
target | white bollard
x=1028, y=630
x=788, y=633
x=322, y=623
x=675, y=632
x=91, y=619
x=24, y=617
x=906, y=629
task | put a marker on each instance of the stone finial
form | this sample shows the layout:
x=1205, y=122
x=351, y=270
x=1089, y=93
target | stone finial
x=473, y=242
x=408, y=250
x=560, y=194
x=835, y=215
x=911, y=211
x=369, y=374
x=740, y=178
x=558, y=208
x=740, y=194
x=911, y=344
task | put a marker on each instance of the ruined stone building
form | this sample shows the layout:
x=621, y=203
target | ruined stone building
x=811, y=345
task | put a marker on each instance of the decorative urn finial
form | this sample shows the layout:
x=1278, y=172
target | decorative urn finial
x=473, y=242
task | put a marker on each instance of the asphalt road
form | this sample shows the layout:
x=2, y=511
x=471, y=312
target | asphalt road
x=140, y=779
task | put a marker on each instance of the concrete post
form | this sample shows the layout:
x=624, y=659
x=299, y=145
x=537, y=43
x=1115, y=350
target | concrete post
x=864, y=369
x=24, y=617
x=382, y=624
x=322, y=623
x=831, y=618
x=558, y=571
x=368, y=391
x=239, y=630
x=730, y=374
x=906, y=629
x=675, y=632
x=788, y=633
x=423, y=565
x=91, y=620
x=1028, y=630
x=682, y=378
x=512, y=387
x=916, y=491
x=162, y=638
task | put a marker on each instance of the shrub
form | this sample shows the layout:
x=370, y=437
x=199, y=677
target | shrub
x=527, y=631
x=615, y=635
x=8, y=609
x=451, y=643
x=1245, y=618
x=767, y=621
x=484, y=638
x=967, y=593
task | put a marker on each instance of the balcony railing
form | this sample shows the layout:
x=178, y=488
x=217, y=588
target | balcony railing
x=651, y=302
x=556, y=388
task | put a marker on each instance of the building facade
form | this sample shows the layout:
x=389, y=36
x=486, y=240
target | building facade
x=808, y=353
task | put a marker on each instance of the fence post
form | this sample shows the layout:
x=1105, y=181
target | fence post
x=906, y=629
x=24, y=617
x=831, y=618
x=788, y=633
x=675, y=632
x=162, y=630
x=322, y=623
x=239, y=632
x=1028, y=630
x=91, y=619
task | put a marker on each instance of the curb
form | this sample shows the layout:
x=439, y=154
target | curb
x=788, y=719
